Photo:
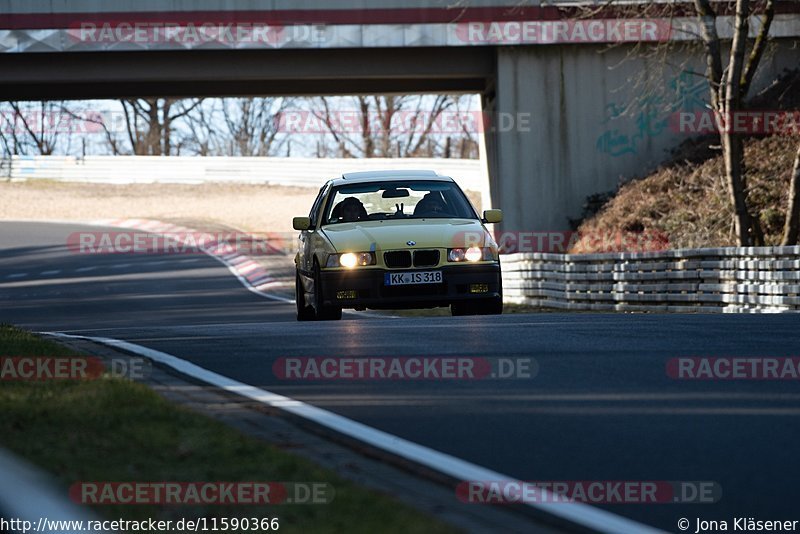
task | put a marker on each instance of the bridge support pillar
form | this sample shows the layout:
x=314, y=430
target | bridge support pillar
x=567, y=122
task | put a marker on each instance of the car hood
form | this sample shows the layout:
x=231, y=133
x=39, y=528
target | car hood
x=392, y=235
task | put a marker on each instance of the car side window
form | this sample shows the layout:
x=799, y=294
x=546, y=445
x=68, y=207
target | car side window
x=315, y=209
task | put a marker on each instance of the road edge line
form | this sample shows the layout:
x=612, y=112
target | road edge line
x=154, y=226
x=579, y=514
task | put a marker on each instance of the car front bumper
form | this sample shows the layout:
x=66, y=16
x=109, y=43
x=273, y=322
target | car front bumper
x=366, y=288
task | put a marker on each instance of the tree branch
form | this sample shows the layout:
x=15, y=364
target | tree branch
x=759, y=47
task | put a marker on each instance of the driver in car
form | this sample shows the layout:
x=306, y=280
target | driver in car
x=431, y=205
x=350, y=210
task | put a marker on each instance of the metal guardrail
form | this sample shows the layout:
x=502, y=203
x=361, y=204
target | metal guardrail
x=5, y=168
x=309, y=172
x=723, y=280
x=30, y=501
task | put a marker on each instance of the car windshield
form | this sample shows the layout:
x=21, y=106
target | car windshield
x=397, y=199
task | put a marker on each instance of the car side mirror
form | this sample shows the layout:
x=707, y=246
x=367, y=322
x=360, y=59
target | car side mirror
x=301, y=223
x=493, y=216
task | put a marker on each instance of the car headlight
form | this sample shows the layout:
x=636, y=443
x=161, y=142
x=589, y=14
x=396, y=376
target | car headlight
x=471, y=254
x=351, y=260
x=348, y=260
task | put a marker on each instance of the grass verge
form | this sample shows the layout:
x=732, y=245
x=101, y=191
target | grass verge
x=120, y=431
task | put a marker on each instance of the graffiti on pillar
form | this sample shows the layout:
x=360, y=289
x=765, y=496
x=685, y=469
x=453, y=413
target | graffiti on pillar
x=650, y=115
x=691, y=91
x=648, y=123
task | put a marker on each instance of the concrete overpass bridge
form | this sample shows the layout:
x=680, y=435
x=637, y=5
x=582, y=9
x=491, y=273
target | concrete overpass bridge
x=566, y=120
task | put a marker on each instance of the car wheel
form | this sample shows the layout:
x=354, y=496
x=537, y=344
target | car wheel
x=304, y=311
x=493, y=306
x=490, y=307
x=323, y=312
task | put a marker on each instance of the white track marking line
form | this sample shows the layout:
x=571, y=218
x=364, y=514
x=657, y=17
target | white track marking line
x=178, y=327
x=139, y=224
x=86, y=269
x=576, y=513
x=49, y=273
x=17, y=275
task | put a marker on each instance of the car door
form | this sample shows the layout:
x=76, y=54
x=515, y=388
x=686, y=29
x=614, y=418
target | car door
x=310, y=239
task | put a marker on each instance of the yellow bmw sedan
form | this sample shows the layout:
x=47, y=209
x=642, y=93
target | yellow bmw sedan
x=395, y=240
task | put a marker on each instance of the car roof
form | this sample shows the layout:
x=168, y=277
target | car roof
x=379, y=176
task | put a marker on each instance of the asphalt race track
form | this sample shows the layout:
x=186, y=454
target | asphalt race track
x=601, y=407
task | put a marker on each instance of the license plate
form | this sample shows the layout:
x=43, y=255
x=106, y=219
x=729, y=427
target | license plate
x=406, y=279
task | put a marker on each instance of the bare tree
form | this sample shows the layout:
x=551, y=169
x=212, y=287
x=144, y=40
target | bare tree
x=729, y=87
x=251, y=126
x=202, y=136
x=149, y=124
x=237, y=127
x=35, y=128
x=6, y=139
x=6, y=153
x=791, y=232
x=105, y=121
x=463, y=143
x=390, y=126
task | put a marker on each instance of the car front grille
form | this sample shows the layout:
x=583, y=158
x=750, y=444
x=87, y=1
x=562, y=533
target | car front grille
x=397, y=259
x=426, y=258
x=402, y=259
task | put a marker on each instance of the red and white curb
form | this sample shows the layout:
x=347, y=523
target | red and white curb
x=248, y=271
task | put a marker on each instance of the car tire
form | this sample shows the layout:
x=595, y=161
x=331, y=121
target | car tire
x=323, y=312
x=304, y=311
x=491, y=307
